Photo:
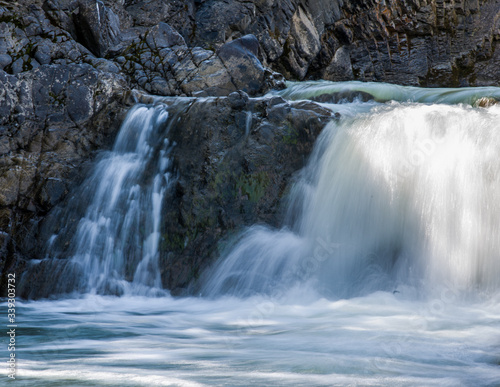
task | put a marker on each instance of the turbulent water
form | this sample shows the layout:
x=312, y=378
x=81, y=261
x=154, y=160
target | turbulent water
x=387, y=271
x=378, y=340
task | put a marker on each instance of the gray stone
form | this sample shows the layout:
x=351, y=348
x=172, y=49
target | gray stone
x=43, y=53
x=216, y=195
x=340, y=68
x=18, y=66
x=220, y=21
x=97, y=26
x=304, y=43
x=238, y=100
x=164, y=36
x=5, y=60
x=240, y=59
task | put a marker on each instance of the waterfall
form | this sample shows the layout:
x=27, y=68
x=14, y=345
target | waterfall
x=386, y=269
x=402, y=197
x=113, y=246
x=396, y=196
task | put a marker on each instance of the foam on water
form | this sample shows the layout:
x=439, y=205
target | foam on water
x=381, y=339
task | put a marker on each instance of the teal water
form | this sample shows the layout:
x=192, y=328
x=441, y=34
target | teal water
x=382, y=339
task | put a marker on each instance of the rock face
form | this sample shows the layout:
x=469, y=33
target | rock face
x=415, y=42
x=234, y=159
x=97, y=27
x=65, y=66
x=52, y=120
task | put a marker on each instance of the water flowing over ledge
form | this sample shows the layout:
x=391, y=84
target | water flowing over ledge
x=113, y=247
x=389, y=199
x=401, y=196
x=386, y=271
x=386, y=92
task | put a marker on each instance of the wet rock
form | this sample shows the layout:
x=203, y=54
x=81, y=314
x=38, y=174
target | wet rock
x=233, y=171
x=35, y=285
x=238, y=100
x=486, y=102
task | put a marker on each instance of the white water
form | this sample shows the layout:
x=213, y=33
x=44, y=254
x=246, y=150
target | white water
x=118, y=236
x=386, y=275
x=404, y=196
x=297, y=340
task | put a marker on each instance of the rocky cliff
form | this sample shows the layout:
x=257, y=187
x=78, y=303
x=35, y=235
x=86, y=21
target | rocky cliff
x=67, y=68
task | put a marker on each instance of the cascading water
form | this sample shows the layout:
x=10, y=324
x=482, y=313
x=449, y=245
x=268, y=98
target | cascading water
x=404, y=195
x=387, y=272
x=117, y=237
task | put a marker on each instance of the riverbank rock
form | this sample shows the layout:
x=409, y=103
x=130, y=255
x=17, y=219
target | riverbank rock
x=421, y=43
x=425, y=42
x=161, y=63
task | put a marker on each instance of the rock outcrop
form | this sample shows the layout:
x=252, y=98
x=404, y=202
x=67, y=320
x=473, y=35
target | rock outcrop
x=52, y=120
x=414, y=42
x=234, y=159
x=65, y=67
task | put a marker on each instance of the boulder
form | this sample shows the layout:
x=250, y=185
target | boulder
x=235, y=157
x=240, y=60
x=97, y=26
